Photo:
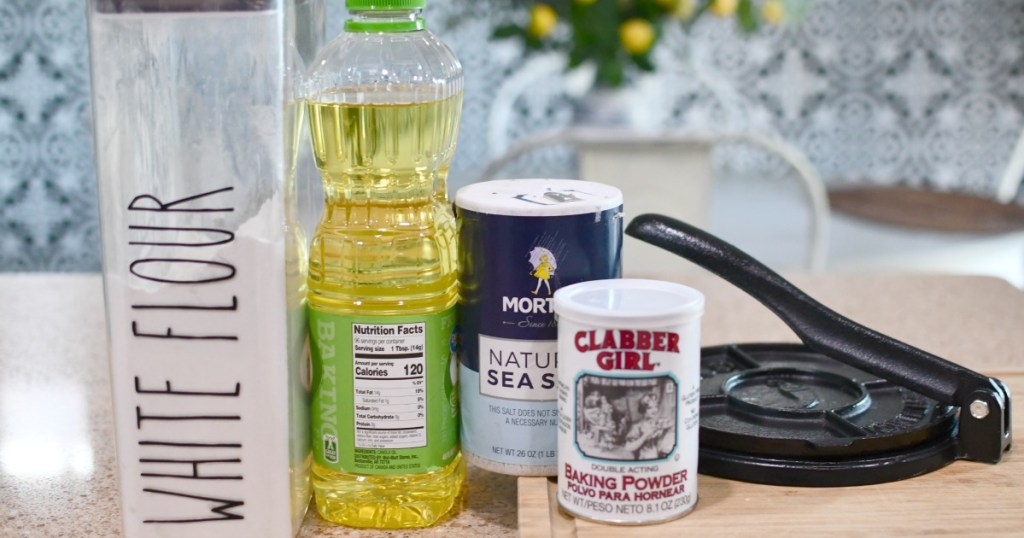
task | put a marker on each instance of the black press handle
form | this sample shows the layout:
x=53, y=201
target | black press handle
x=984, y=430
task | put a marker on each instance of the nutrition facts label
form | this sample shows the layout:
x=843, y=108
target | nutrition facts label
x=389, y=364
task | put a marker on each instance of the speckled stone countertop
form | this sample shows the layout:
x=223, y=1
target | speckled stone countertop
x=58, y=475
x=57, y=466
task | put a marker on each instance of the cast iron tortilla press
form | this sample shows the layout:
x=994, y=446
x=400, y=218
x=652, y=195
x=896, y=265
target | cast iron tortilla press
x=851, y=406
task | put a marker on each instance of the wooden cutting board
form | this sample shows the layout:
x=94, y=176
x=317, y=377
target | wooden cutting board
x=978, y=322
x=962, y=499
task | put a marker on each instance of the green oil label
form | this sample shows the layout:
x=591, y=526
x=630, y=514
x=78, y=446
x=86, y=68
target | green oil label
x=384, y=392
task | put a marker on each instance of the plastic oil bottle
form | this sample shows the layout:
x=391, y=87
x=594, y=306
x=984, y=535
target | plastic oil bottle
x=383, y=101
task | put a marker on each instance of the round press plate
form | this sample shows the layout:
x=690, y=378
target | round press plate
x=785, y=414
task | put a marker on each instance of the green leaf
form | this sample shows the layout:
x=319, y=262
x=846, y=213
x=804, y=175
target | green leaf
x=506, y=31
x=576, y=57
x=596, y=26
x=643, y=61
x=610, y=73
x=648, y=9
x=746, y=16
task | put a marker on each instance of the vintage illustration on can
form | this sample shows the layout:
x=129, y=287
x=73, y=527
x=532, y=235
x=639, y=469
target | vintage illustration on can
x=626, y=419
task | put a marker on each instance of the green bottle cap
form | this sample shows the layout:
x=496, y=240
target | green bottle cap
x=412, y=25
x=384, y=5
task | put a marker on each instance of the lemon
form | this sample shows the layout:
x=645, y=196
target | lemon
x=637, y=35
x=684, y=9
x=723, y=8
x=667, y=5
x=542, y=20
x=772, y=11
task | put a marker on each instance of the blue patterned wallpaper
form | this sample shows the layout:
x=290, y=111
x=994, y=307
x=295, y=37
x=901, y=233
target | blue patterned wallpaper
x=919, y=92
x=47, y=189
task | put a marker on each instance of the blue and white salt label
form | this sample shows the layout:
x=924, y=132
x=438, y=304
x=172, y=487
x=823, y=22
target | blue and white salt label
x=510, y=268
x=517, y=432
x=518, y=369
x=511, y=418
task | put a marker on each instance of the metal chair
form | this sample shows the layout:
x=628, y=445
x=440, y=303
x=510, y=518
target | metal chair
x=692, y=154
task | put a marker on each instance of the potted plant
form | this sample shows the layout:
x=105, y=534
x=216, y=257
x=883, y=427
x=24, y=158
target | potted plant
x=617, y=36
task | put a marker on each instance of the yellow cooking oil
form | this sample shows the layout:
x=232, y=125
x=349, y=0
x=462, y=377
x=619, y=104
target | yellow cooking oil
x=382, y=295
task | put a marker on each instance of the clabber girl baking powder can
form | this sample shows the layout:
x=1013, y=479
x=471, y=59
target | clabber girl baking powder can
x=520, y=241
x=628, y=399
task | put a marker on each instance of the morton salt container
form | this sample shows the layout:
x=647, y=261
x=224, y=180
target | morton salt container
x=519, y=242
x=628, y=399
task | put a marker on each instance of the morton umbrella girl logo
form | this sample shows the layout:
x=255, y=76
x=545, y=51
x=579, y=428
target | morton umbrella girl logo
x=544, y=266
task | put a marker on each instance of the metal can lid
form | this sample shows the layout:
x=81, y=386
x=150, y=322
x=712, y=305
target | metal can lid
x=632, y=303
x=537, y=197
